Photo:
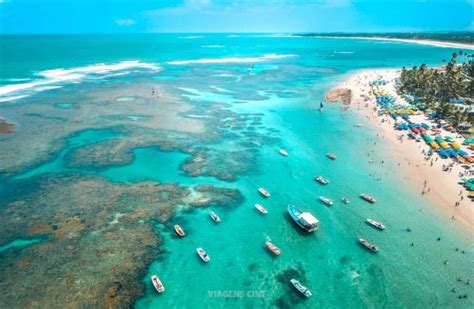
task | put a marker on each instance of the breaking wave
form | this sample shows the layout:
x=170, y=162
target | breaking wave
x=53, y=79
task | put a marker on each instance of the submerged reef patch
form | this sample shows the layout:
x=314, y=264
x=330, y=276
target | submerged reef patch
x=6, y=127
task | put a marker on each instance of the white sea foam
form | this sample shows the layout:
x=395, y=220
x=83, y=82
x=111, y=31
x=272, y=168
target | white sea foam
x=343, y=52
x=191, y=37
x=232, y=60
x=51, y=79
x=212, y=46
x=11, y=98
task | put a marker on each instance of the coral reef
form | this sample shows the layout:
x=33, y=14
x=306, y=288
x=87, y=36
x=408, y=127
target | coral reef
x=98, y=239
x=343, y=95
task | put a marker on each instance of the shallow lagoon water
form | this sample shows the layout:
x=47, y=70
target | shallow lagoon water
x=277, y=104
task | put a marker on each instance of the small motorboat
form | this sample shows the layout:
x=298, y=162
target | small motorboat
x=301, y=288
x=274, y=249
x=331, y=156
x=214, y=217
x=283, y=152
x=160, y=288
x=326, y=200
x=345, y=200
x=262, y=209
x=179, y=230
x=321, y=180
x=203, y=255
x=264, y=192
x=368, y=198
x=368, y=245
x=376, y=224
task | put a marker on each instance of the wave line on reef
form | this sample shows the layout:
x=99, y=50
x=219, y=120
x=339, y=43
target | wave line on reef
x=232, y=59
x=59, y=76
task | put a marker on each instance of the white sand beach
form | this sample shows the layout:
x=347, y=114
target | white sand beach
x=443, y=187
x=412, y=41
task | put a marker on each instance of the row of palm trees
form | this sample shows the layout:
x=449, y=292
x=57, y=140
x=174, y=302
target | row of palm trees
x=438, y=88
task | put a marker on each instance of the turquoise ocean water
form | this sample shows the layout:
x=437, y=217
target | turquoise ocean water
x=284, y=90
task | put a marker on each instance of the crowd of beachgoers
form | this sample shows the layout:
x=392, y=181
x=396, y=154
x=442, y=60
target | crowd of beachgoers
x=436, y=158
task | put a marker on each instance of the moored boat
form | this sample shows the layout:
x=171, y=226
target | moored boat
x=326, y=200
x=376, y=224
x=305, y=220
x=262, y=209
x=274, y=249
x=321, y=180
x=214, y=217
x=203, y=255
x=264, y=192
x=331, y=156
x=368, y=198
x=179, y=230
x=301, y=288
x=160, y=288
x=283, y=152
x=368, y=245
x=345, y=200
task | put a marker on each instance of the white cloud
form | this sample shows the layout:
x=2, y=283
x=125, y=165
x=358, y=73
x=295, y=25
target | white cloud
x=123, y=22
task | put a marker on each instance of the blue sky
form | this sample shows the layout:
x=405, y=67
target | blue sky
x=121, y=16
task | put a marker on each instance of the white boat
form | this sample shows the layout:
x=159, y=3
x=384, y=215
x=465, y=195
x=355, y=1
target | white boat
x=262, y=209
x=264, y=192
x=326, y=200
x=368, y=198
x=301, y=288
x=376, y=224
x=345, y=200
x=160, y=288
x=305, y=220
x=321, y=180
x=179, y=230
x=214, y=217
x=283, y=152
x=368, y=245
x=203, y=255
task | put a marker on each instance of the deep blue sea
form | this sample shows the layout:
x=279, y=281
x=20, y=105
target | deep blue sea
x=99, y=118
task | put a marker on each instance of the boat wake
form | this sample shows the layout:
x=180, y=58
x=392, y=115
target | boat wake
x=53, y=79
x=232, y=60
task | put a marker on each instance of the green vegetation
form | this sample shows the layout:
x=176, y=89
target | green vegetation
x=448, y=90
x=455, y=37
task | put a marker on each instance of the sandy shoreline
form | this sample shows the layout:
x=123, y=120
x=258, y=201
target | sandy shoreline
x=413, y=41
x=444, y=187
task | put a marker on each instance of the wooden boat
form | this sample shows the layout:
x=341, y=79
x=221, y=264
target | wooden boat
x=274, y=249
x=264, y=192
x=326, y=200
x=262, y=209
x=331, y=156
x=345, y=200
x=283, y=152
x=301, y=288
x=203, y=255
x=160, y=288
x=321, y=180
x=368, y=198
x=368, y=245
x=179, y=231
x=304, y=220
x=214, y=217
x=376, y=224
